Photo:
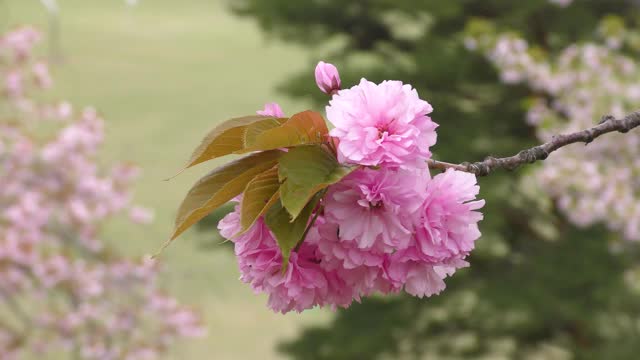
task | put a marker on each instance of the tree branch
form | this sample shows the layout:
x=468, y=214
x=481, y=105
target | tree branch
x=482, y=168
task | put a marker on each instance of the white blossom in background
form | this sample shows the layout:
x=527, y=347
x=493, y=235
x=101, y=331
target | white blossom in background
x=599, y=183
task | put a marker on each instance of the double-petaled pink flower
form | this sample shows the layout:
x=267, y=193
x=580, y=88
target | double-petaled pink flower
x=382, y=124
x=374, y=208
x=448, y=224
x=386, y=227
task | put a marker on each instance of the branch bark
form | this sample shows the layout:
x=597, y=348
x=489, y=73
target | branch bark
x=482, y=168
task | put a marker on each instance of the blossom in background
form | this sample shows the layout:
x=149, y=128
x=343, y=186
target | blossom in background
x=82, y=297
x=141, y=215
x=17, y=45
x=42, y=75
x=382, y=124
x=574, y=88
x=13, y=84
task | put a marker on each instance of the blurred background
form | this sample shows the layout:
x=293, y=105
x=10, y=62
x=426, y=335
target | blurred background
x=163, y=72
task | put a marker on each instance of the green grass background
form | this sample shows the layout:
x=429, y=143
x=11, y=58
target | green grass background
x=162, y=74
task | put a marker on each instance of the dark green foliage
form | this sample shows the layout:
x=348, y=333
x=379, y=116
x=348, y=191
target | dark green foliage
x=534, y=279
x=543, y=292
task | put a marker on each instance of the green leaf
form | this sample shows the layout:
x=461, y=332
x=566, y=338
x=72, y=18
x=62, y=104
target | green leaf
x=227, y=138
x=255, y=129
x=288, y=233
x=303, y=172
x=220, y=186
x=259, y=195
x=307, y=127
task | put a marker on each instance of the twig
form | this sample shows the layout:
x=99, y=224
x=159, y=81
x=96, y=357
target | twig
x=317, y=210
x=482, y=168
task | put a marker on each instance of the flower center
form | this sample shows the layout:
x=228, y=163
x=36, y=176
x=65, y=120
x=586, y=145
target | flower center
x=383, y=129
x=371, y=199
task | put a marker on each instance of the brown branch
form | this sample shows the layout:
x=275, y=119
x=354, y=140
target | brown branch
x=482, y=168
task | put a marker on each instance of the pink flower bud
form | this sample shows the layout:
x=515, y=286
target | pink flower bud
x=327, y=77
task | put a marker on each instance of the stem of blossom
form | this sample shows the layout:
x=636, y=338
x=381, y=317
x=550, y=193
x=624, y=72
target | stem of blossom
x=482, y=168
x=318, y=210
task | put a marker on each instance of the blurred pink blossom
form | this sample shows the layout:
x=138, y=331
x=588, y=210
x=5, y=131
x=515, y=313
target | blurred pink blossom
x=271, y=109
x=53, y=200
x=141, y=215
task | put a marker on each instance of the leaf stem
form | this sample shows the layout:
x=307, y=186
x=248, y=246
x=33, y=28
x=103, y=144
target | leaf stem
x=319, y=209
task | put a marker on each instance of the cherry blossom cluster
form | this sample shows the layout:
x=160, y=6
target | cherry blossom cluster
x=62, y=289
x=387, y=227
x=599, y=182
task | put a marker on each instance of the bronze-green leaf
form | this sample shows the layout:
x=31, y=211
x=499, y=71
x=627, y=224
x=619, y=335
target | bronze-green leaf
x=253, y=130
x=220, y=186
x=227, y=138
x=259, y=195
x=307, y=127
x=304, y=171
x=288, y=234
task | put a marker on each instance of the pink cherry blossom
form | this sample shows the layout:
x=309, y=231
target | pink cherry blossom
x=54, y=199
x=42, y=76
x=271, y=109
x=301, y=287
x=13, y=84
x=407, y=270
x=447, y=227
x=52, y=271
x=381, y=229
x=255, y=238
x=19, y=43
x=357, y=272
x=327, y=77
x=382, y=124
x=374, y=208
x=348, y=255
x=418, y=278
